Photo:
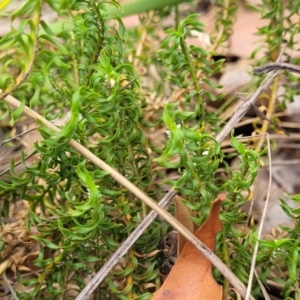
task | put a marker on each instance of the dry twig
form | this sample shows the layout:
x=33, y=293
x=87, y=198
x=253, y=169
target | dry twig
x=276, y=66
x=13, y=293
x=252, y=269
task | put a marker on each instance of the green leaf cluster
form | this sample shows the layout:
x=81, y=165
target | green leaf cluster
x=82, y=74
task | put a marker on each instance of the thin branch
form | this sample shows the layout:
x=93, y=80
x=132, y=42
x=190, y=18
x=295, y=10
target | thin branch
x=18, y=135
x=19, y=162
x=14, y=295
x=252, y=269
x=262, y=116
x=263, y=289
x=128, y=84
x=241, y=111
x=276, y=66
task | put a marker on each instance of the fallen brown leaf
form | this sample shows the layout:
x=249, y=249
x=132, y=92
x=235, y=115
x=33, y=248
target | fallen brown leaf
x=183, y=214
x=191, y=277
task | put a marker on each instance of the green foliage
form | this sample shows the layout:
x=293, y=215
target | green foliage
x=85, y=214
x=279, y=35
x=225, y=17
x=177, y=55
x=83, y=74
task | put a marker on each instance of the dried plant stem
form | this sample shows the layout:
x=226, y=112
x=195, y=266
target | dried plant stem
x=252, y=269
x=277, y=66
x=13, y=293
x=263, y=289
x=269, y=113
x=18, y=135
x=19, y=162
x=241, y=111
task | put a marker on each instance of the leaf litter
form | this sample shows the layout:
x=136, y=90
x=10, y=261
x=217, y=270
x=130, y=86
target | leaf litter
x=191, y=277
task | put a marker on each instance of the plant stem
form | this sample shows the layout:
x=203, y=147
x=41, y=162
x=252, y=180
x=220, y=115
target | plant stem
x=218, y=40
x=177, y=17
x=226, y=261
x=185, y=52
x=269, y=113
x=33, y=36
x=100, y=36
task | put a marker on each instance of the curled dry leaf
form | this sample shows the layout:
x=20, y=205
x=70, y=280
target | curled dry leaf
x=191, y=277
